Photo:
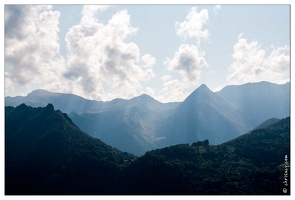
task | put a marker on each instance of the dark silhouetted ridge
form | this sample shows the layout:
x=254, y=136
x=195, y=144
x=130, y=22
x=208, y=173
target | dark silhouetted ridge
x=45, y=153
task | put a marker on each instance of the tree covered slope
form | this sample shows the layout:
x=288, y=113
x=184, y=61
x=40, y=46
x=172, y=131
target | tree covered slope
x=253, y=163
x=45, y=153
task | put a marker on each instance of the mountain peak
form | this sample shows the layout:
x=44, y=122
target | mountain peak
x=49, y=107
x=144, y=98
x=202, y=93
x=39, y=92
x=203, y=87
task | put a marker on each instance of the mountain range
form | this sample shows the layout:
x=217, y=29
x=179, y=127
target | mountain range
x=47, y=154
x=73, y=103
x=142, y=123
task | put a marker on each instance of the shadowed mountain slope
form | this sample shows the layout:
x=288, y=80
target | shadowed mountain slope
x=45, y=153
x=203, y=115
x=259, y=101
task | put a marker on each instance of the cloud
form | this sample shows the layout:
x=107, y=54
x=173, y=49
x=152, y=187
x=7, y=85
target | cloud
x=100, y=60
x=89, y=11
x=188, y=61
x=148, y=60
x=252, y=63
x=8, y=83
x=173, y=90
x=216, y=9
x=31, y=45
x=240, y=36
x=166, y=77
x=192, y=27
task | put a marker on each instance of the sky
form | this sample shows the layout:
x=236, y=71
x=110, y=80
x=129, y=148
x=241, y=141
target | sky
x=103, y=52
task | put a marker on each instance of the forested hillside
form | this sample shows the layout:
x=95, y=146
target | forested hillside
x=250, y=164
x=45, y=153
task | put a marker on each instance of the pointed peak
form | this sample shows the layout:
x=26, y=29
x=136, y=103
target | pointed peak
x=201, y=92
x=203, y=87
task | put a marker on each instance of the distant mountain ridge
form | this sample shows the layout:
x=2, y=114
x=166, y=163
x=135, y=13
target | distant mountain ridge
x=115, y=122
x=64, y=102
x=73, y=103
x=259, y=101
x=145, y=123
x=226, y=114
x=202, y=115
x=128, y=129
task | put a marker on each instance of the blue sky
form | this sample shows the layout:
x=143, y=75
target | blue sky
x=122, y=51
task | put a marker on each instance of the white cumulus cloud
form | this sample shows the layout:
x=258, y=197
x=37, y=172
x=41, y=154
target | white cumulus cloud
x=148, y=60
x=173, y=90
x=31, y=46
x=193, y=26
x=188, y=61
x=252, y=63
x=101, y=62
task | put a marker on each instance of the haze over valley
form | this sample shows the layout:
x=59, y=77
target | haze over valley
x=142, y=123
